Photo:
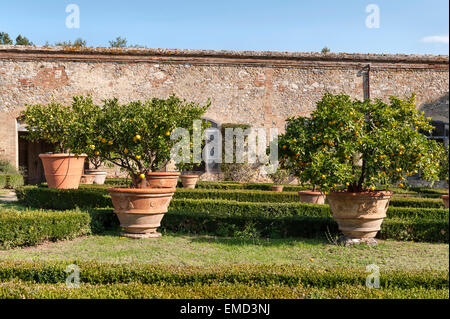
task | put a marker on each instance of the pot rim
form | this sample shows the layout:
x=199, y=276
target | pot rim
x=318, y=193
x=163, y=173
x=189, y=176
x=61, y=155
x=164, y=190
x=445, y=196
x=375, y=193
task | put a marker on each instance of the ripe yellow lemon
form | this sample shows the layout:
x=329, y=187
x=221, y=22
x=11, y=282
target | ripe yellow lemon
x=167, y=133
x=125, y=151
x=142, y=176
x=92, y=146
x=103, y=140
x=97, y=153
x=110, y=142
x=137, y=137
x=138, y=157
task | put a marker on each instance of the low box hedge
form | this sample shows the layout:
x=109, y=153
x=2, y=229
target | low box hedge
x=30, y=227
x=289, y=275
x=16, y=289
x=258, y=225
x=281, y=197
x=97, y=196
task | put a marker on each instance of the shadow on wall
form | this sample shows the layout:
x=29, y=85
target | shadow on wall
x=437, y=109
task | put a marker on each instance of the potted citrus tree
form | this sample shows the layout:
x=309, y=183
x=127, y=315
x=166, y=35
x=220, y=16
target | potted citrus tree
x=297, y=152
x=136, y=137
x=355, y=146
x=188, y=176
x=279, y=177
x=59, y=125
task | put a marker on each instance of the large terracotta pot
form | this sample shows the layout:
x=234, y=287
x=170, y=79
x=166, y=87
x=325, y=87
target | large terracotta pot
x=140, y=210
x=162, y=179
x=277, y=188
x=312, y=197
x=99, y=176
x=189, y=181
x=359, y=215
x=445, y=199
x=63, y=171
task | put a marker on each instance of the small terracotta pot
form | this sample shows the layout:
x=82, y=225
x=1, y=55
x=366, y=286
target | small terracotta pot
x=445, y=200
x=140, y=210
x=87, y=179
x=359, y=215
x=312, y=197
x=162, y=179
x=277, y=188
x=99, y=176
x=189, y=181
x=63, y=171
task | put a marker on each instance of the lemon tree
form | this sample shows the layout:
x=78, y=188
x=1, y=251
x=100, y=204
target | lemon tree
x=67, y=127
x=357, y=145
x=136, y=135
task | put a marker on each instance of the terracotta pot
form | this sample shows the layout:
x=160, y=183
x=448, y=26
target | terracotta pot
x=312, y=197
x=359, y=215
x=99, y=176
x=277, y=188
x=445, y=199
x=87, y=179
x=189, y=181
x=63, y=171
x=162, y=179
x=140, y=210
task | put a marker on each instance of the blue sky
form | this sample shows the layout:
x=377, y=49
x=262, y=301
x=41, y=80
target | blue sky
x=406, y=26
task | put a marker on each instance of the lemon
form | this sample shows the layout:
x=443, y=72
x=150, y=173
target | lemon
x=110, y=142
x=92, y=146
x=142, y=176
x=103, y=140
x=97, y=153
x=125, y=151
x=167, y=133
x=138, y=157
x=137, y=137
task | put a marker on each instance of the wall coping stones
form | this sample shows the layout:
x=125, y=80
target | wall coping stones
x=208, y=57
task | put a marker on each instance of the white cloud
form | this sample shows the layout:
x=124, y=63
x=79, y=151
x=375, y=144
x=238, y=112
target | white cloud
x=436, y=39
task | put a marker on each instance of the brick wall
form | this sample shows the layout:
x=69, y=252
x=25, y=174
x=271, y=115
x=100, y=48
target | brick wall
x=261, y=88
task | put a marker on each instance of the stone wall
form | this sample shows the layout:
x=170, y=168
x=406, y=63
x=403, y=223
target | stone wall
x=260, y=88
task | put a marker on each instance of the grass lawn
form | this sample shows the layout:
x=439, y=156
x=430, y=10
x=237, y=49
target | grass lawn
x=206, y=250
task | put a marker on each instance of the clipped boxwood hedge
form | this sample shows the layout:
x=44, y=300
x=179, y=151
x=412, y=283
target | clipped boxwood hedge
x=232, y=218
x=30, y=227
x=25, y=290
x=97, y=196
x=260, y=274
x=257, y=225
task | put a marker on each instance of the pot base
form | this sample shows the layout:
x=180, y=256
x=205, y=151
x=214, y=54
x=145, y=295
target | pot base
x=347, y=241
x=140, y=236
